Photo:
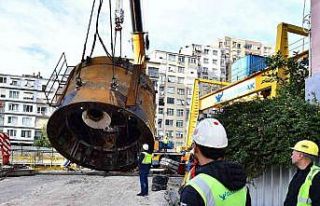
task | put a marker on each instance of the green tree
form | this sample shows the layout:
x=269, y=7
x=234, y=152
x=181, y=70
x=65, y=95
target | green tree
x=43, y=140
x=261, y=132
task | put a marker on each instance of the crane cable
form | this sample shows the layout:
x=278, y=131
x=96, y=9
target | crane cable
x=78, y=79
x=79, y=82
x=113, y=82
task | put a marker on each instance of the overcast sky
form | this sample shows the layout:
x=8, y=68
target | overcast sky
x=34, y=33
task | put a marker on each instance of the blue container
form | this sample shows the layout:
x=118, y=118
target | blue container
x=246, y=66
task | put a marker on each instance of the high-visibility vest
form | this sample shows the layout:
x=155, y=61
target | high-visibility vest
x=303, y=195
x=165, y=140
x=147, y=158
x=214, y=193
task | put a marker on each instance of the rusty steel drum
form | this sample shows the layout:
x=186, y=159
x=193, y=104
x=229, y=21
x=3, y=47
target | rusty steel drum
x=93, y=126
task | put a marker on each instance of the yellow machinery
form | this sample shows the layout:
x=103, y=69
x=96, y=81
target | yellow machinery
x=195, y=105
x=246, y=89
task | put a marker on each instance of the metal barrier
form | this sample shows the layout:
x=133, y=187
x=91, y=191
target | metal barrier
x=36, y=157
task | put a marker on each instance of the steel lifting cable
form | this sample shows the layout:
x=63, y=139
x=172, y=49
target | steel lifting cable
x=86, y=40
x=113, y=83
x=88, y=30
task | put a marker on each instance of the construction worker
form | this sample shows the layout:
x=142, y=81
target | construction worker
x=165, y=143
x=217, y=182
x=304, y=188
x=144, y=168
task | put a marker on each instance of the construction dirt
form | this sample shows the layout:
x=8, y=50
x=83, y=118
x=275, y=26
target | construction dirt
x=77, y=190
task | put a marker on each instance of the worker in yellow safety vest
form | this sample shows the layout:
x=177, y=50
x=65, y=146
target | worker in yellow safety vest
x=217, y=182
x=145, y=160
x=165, y=142
x=304, y=188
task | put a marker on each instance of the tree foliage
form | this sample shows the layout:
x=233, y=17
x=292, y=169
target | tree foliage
x=261, y=132
x=43, y=140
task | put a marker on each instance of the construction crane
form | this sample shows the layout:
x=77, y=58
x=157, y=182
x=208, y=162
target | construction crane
x=106, y=104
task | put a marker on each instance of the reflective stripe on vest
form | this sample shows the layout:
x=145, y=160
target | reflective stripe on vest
x=214, y=193
x=147, y=158
x=303, y=196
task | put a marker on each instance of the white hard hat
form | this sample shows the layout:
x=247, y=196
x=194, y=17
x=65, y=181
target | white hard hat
x=145, y=146
x=210, y=133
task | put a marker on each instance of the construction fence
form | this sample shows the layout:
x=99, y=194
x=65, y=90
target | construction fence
x=36, y=156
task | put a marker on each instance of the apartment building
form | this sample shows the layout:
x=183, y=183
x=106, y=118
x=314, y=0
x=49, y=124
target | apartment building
x=23, y=108
x=210, y=64
x=233, y=49
x=173, y=75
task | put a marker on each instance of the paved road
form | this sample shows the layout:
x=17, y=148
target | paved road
x=76, y=190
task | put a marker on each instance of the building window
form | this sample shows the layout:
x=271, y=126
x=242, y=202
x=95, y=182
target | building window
x=179, y=112
x=214, y=52
x=205, y=70
x=170, y=112
x=169, y=133
x=187, y=114
x=206, y=51
x=3, y=93
x=180, y=80
x=160, y=133
x=189, y=90
x=1, y=121
x=26, y=121
x=14, y=94
x=169, y=122
x=181, y=91
x=15, y=83
x=13, y=107
x=179, y=123
x=205, y=60
x=160, y=110
x=153, y=72
x=170, y=100
x=12, y=120
x=12, y=132
x=171, y=69
x=172, y=79
x=170, y=90
x=41, y=110
x=180, y=102
x=214, y=61
x=161, y=102
x=162, y=78
x=27, y=108
x=181, y=59
x=171, y=57
x=3, y=79
x=28, y=95
x=179, y=134
x=155, y=84
x=188, y=101
x=37, y=134
x=181, y=70
x=26, y=133
x=29, y=83
x=192, y=60
x=159, y=123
